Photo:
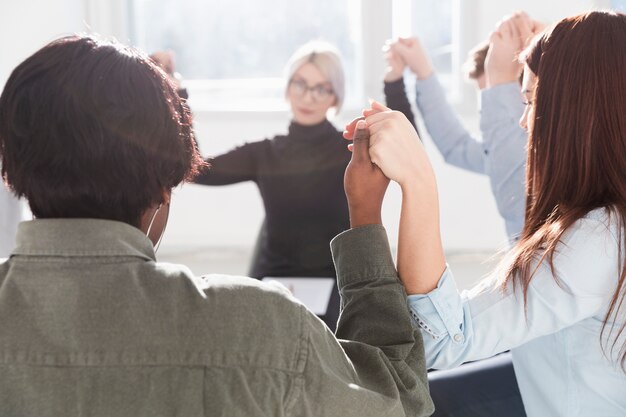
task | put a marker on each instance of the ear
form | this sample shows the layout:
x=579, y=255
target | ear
x=166, y=196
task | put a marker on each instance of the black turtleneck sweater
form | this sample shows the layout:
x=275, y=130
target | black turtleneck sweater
x=300, y=177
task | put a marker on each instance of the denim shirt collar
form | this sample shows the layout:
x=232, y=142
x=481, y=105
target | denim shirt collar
x=81, y=238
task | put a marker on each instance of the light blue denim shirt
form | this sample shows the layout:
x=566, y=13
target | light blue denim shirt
x=501, y=154
x=457, y=146
x=561, y=367
x=504, y=143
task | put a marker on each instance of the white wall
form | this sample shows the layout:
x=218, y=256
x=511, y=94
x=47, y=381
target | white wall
x=544, y=10
x=24, y=27
x=230, y=216
x=27, y=25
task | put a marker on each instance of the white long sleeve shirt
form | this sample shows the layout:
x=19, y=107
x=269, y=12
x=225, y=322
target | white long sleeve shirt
x=559, y=362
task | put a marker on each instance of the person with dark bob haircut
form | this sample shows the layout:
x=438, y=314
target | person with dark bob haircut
x=94, y=136
x=105, y=137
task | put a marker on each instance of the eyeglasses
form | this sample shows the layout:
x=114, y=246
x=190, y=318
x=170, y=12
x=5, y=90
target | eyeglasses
x=319, y=92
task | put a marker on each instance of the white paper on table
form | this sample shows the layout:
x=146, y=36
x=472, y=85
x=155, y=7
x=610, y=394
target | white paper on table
x=312, y=292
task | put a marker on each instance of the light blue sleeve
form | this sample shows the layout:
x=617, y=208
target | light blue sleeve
x=504, y=144
x=455, y=143
x=486, y=320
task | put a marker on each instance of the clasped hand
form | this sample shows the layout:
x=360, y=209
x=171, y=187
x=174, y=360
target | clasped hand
x=385, y=147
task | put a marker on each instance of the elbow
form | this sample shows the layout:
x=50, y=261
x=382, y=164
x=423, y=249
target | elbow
x=445, y=353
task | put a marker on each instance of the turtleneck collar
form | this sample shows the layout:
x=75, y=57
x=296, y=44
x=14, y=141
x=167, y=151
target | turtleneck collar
x=301, y=132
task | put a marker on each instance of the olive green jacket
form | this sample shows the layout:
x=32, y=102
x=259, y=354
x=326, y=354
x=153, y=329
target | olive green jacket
x=92, y=325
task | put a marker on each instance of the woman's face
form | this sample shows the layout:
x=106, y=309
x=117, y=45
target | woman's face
x=310, y=95
x=529, y=82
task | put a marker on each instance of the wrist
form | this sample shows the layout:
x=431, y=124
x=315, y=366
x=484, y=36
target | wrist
x=392, y=77
x=362, y=216
x=422, y=70
x=493, y=79
x=424, y=73
x=425, y=188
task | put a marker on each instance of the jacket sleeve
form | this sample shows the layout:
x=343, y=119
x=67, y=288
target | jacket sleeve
x=378, y=366
x=237, y=165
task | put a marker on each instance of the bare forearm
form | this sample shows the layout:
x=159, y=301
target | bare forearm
x=421, y=260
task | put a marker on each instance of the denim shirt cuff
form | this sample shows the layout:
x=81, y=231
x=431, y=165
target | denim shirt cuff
x=439, y=312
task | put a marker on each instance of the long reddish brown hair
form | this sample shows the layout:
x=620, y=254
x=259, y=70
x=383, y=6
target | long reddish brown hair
x=577, y=144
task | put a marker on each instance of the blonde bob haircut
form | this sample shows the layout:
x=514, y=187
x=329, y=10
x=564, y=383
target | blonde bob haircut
x=327, y=60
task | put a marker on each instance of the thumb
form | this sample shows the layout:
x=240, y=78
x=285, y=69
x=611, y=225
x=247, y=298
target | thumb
x=378, y=106
x=351, y=127
x=495, y=36
x=361, y=142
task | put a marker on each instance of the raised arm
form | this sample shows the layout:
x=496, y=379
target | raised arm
x=386, y=373
x=397, y=150
x=505, y=152
x=237, y=165
x=456, y=144
x=487, y=320
x=501, y=108
x=394, y=89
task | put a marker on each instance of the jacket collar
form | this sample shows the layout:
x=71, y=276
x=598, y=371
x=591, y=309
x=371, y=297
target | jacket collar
x=81, y=238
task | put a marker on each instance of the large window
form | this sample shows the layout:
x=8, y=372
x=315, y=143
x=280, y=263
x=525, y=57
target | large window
x=436, y=23
x=235, y=51
x=232, y=54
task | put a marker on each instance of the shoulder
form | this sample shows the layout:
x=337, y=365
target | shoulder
x=246, y=152
x=254, y=146
x=232, y=317
x=248, y=293
x=276, y=143
x=224, y=285
x=340, y=142
x=606, y=219
x=599, y=228
x=590, y=254
x=247, y=301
